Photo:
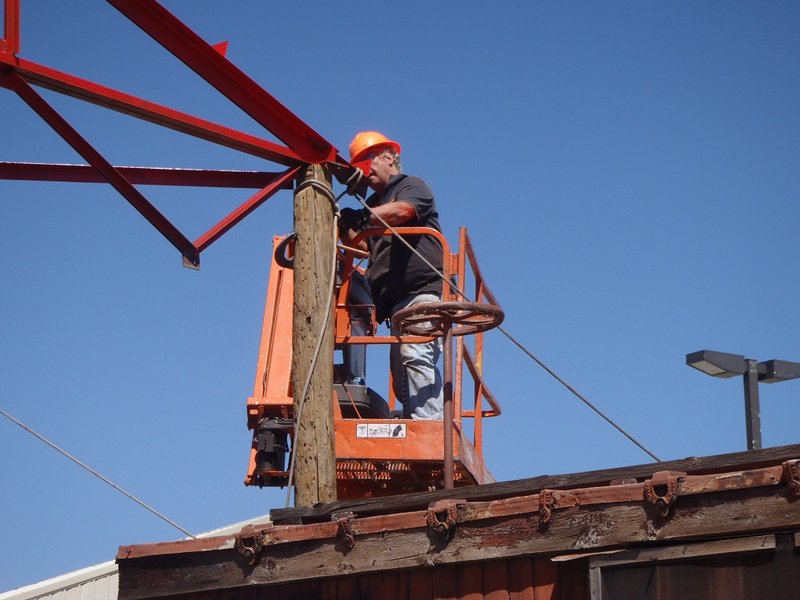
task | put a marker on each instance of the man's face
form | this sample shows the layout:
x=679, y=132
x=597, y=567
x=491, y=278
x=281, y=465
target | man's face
x=381, y=170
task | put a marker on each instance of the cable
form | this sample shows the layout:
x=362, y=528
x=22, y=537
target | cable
x=503, y=331
x=95, y=473
x=574, y=391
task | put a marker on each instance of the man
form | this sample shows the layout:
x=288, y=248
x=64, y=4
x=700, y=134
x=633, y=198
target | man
x=397, y=276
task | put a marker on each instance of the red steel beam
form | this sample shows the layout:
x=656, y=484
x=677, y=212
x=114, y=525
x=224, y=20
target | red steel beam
x=228, y=79
x=139, y=175
x=208, y=238
x=16, y=83
x=10, y=43
x=149, y=111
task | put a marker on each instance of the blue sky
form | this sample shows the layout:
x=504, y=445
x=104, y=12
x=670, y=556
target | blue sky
x=629, y=173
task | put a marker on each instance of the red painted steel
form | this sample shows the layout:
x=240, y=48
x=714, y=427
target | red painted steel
x=305, y=144
x=16, y=83
x=245, y=209
x=149, y=111
x=233, y=83
x=10, y=42
x=140, y=175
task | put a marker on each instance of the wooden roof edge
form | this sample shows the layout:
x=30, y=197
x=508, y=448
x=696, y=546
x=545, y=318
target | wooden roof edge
x=667, y=508
x=660, y=490
x=494, y=491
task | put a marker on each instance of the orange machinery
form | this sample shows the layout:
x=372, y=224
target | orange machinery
x=376, y=454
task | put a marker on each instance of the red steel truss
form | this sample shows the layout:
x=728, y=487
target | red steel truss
x=303, y=145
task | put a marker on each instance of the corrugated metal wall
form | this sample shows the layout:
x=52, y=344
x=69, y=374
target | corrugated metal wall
x=100, y=582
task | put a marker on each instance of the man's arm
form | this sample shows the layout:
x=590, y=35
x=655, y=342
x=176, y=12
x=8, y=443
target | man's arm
x=393, y=213
x=397, y=212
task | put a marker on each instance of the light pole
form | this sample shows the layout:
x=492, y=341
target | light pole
x=724, y=365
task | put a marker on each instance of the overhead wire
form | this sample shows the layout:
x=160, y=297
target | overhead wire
x=95, y=473
x=511, y=338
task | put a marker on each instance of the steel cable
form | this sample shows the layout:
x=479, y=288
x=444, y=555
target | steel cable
x=502, y=330
x=95, y=473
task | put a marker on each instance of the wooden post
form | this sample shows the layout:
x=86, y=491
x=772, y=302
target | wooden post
x=315, y=461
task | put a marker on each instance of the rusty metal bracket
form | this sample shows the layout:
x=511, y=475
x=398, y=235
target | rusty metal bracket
x=791, y=470
x=547, y=504
x=661, y=490
x=442, y=517
x=344, y=520
x=249, y=543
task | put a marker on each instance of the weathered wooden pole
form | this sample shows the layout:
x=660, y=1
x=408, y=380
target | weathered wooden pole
x=315, y=461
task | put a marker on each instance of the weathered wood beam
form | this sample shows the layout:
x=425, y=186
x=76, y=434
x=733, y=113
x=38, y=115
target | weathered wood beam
x=409, y=502
x=575, y=529
x=313, y=454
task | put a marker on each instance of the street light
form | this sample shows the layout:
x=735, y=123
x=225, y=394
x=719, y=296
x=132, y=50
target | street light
x=724, y=365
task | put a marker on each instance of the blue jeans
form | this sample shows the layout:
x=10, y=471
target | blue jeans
x=417, y=379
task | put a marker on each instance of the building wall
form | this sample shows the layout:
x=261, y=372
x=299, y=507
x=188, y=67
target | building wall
x=518, y=578
x=100, y=582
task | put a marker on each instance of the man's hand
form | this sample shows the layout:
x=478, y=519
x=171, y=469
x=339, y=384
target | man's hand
x=350, y=218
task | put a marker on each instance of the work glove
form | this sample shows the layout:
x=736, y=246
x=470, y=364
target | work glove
x=350, y=218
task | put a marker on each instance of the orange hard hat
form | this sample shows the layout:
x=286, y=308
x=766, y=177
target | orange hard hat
x=367, y=141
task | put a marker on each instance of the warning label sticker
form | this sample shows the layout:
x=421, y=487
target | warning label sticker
x=381, y=430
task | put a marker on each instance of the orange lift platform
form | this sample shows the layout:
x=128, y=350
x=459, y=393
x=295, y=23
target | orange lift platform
x=378, y=454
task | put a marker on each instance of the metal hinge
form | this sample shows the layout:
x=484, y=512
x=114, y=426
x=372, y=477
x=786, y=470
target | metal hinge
x=345, y=521
x=249, y=543
x=662, y=490
x=442, y=517
x=547, y=504
x=791, y=469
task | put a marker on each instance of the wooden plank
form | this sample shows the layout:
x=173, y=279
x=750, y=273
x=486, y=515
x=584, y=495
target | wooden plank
x=545, y=576
x=495, y=580
x=756, y=543
x=420, y=584
x=470, y=582
x=379, y=585
x=328, y=589
x=407, y=502
x=445, y=582
x=573, y=581
x=346, y=588
x=595, y=584
x=732, y=513
x=520, y=579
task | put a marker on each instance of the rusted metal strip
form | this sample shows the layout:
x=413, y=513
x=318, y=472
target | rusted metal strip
x=729, y=513
x=541, y=508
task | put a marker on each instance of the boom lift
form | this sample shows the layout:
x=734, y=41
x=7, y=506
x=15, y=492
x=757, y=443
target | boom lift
x=376, y=454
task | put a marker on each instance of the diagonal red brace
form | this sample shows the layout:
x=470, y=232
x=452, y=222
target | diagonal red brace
x=228, y=79
x=16, y=83
x=208, y=238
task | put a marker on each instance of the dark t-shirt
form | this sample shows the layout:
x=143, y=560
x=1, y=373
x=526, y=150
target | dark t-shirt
x=394, y=272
